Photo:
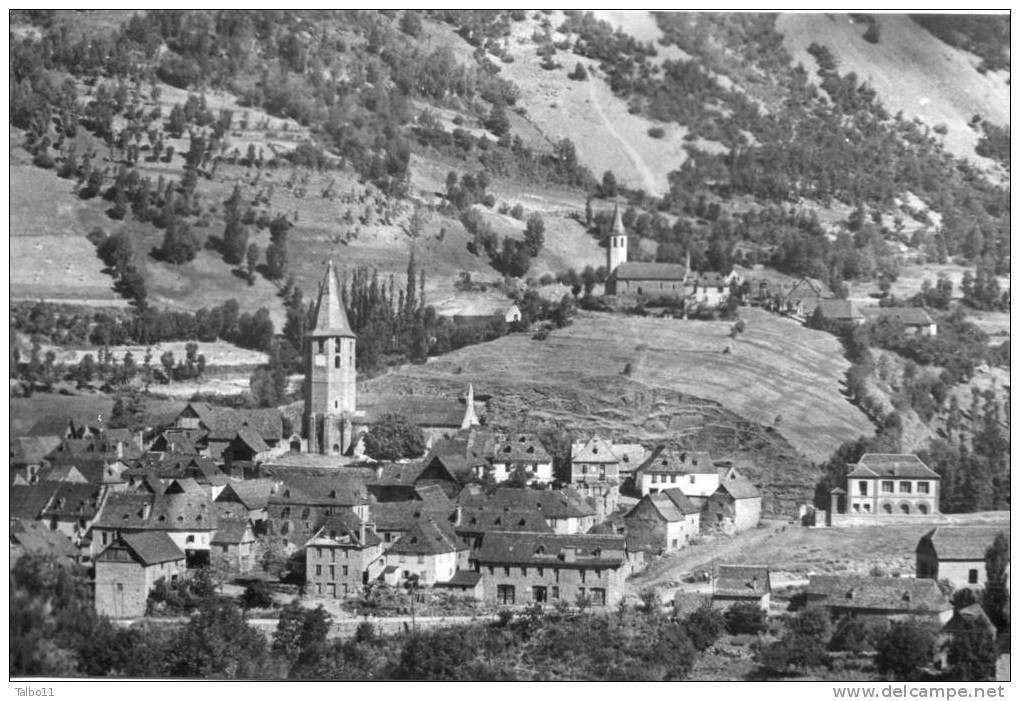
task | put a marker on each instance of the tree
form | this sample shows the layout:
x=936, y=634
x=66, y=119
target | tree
x=276, y=261
x=252, y=261
x=905, y=650
x=128, y=411
x=394, y=438
x=745, y=619
x=651, y=601
x=579, y=72
x=256, y=595
x=534, y=237
x=218, y=643
x=410, y=23
x=704, y=626
x=996, y=595
x=180, y=244
x=972, y=654
x=167, y=361
x=608, y=184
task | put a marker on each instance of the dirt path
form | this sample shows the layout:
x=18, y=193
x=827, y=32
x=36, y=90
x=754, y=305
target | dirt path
x=672, y=569
x=646, y=173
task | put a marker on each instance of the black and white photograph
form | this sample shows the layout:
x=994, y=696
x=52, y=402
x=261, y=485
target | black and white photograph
x=535, y=345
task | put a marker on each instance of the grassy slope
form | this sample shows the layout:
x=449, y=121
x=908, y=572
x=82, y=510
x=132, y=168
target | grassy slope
x=575, y=378
x=911, y=70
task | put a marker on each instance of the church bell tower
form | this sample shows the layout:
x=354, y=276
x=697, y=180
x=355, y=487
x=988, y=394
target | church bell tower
x=616, y=249
x=332, y=391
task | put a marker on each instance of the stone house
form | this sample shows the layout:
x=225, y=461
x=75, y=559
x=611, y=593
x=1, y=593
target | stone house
x=690, y=471
x=342, y=556
x=300, y=504
x=956, y=554
x=520, y=569
x=880, y=597
x=915, y=320
x=234, y=543
x=216, y=427
x=465, y=583
x=73, y=508
x=735, y=505
x=594, y=461
x=839, y=313
x=884, y=486
x=128, y=569
x=732, y=584
x=566, y=511
x=430, y=551
x=663, y=522
x=472, y=523
x=245, y=500
x=521, y=452
x=183, y=512
x=392, y=519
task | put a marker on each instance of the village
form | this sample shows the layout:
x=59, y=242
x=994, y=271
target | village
x=481, y=522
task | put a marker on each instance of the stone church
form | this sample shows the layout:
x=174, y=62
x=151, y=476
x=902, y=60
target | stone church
x=335, y=416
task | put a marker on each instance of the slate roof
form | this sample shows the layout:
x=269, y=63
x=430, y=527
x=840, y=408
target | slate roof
x=62, y=473
x=148, y=548
x=72, y=449
x=967, y=543
x=596, y=450
x=434, y=497
x=520, y=448
x=552, y=503
x=30, y=450
x=670, y=460
x=872, y=465
x=253, y=494
x=711, y=279
x=402, y=515
x=73, y=501
x=232, y=531
x=878, y=593
x=461, y=578
x=738, y=486
x=49, y=426
x=671, y=505
x=551, y=549
x=169, y=512
x=36, y=539
x=223, y=423
x=908, y=316
x=330, y=315
x=251, y=438
x=428, y=537
x=398, y=474
x=737, y=581
x=29, y=502
x=319, y=491
x=839, y=310
x=174, y=465
x=344, y=528
x=482, y=520
x=631, y=455
x=808, y=288
x=650, y=271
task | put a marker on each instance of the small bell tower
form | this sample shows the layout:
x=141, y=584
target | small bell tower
x=616, y=249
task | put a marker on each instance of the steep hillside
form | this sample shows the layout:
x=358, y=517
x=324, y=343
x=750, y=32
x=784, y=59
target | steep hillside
x=911, y=70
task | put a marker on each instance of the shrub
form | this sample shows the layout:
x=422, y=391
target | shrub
x=745, y=618
x=905, y=650
x=704, y=626
x=857, y=635
x=656, y=132
x=256, y=596
x=579, y=73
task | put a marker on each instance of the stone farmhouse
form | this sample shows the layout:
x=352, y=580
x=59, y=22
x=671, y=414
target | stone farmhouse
x=915, y=320
x=892, y=598
x=956, y=554
x=342, y=556
x=543, y=568
x=732, y=584
x=663, y=522
x=128, y=569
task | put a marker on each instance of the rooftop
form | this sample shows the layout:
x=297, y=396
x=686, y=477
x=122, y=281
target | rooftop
x=552, y=549
x=878, y=593
x=962, y=542
x=892, y=465
x=650, y=271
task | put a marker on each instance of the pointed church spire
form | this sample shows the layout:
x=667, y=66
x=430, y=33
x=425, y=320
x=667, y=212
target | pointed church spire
x=330, y=316
x=470, y=418
x=618, y=229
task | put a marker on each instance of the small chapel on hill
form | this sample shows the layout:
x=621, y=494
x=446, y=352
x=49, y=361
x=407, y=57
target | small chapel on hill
x=335, y=417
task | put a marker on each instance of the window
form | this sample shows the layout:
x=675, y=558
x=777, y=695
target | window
x=421, y=559
x=539, y=595
x=345, y=570
x=922, y=487
x=491, y=570
x=584, y=469
x=541, y=571
x=905, y=487
x=318, y=552
x=972, y=577
x=584, y=574
x=322, y=345
x=505, y=594
x=887, y=486
x=555, y=593
x=655, y=478
x=524, y=571
x=556, y=573
x=318, y=588
x=189, y=539
x=867, y=507
x=506, y=571
x=862, y=488
x=332, y=571
x=104, y=537
x=672, y=479
x=598, y=597
x=336, y=362
x=388, y=537
x=691, y=479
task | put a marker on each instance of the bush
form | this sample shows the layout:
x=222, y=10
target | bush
x=857, y=635
x=579, y=72
x=656, y=132
x=394, y=438
x=745, y=618
x=905, y=650
x=257, y=596
x=704, y=626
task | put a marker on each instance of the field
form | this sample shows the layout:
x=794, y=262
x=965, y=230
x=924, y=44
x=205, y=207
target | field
x=793, y=552
x=911, y=70
x=777, y=368
x=90, y=408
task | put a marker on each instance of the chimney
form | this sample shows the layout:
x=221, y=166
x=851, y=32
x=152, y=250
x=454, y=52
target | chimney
x=146, y=509
x=458, y=515
x=378, y=472
x=362, y=533
x=120, y=450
